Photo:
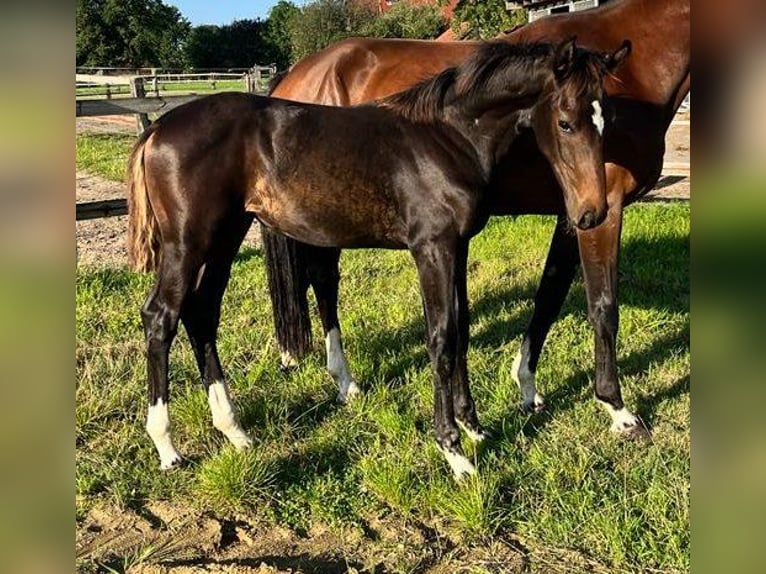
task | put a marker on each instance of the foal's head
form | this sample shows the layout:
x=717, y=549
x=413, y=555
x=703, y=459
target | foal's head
x=568, y=121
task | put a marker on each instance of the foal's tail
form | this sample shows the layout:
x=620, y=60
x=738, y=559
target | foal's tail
x=143, y=231
x=288, y=282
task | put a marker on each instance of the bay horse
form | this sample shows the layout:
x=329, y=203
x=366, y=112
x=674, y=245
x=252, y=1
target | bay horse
x=201, y=173
x=645, y=94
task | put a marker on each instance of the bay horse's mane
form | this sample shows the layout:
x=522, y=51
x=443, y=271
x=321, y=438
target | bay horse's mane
x=495, y=66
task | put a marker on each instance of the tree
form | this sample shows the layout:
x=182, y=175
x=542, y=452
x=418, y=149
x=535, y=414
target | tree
x=240, y=44
x=277, y=35
x=406, y=20
x=322, y=22
x=129, y=33
x=485, y=19
x=203, y=47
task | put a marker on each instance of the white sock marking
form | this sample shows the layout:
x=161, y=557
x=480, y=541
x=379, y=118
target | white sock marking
x=472, y=434
x=158, y=427
x=337, y=366
x=223, y=415
x=287, y=360
x=525, y=378
x=460, y=465
x=598, y=117
x=622, y=419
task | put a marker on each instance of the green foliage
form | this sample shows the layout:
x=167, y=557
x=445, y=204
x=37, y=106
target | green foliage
x=405, y=20
x=129, y=33
x=241, y=44
x=322, y=22
x=485, y=19
x=278, y=26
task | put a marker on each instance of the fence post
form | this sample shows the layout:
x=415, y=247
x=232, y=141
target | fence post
x=137, y=91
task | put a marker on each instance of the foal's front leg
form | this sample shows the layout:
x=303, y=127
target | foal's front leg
x=465, y=409
x=436, y=269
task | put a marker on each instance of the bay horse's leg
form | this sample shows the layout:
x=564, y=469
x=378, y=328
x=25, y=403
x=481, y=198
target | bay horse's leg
x=160, y=315
x=599, y=252
x=436, y=270
x=324, y=276
x=465, y=409
x=558, y=274
x=201, y=316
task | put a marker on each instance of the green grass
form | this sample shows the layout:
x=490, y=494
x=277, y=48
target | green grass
x=104, y=154
x=201, y=87
x=558, y=482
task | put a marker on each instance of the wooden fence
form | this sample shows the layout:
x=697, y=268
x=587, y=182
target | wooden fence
x=139, y=103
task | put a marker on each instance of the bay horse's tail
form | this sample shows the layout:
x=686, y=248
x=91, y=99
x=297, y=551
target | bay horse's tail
x=143, y=231
x=286, y=272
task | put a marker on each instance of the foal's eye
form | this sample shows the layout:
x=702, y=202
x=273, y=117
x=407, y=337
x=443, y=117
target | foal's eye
x=565, y=126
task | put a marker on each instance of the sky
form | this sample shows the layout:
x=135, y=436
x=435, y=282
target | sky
x=223, y=11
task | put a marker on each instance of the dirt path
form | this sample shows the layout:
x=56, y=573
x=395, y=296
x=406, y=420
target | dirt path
x=169, y=538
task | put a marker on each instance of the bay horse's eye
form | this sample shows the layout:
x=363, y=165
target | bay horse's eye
x=565, y=126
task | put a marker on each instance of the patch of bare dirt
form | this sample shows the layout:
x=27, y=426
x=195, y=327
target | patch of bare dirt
x=165, y=538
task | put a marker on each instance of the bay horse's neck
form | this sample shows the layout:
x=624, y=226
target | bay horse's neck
x=658, y=68
x=661, y=34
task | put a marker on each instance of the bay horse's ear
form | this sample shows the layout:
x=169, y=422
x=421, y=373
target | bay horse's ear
x=613, y=60
x=563, y=58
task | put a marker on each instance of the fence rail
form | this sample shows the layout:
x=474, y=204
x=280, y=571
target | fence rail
x=139, y=104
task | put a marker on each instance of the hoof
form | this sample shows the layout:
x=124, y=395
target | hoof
x=348, y=394
x=241, y=441
x=475, y=432
x=636, y=431
x=287, y=362
x=460, y=465
x=174, y=462
x=537, y=405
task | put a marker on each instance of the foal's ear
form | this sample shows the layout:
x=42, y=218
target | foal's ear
x=613, y=60
x=563, y=58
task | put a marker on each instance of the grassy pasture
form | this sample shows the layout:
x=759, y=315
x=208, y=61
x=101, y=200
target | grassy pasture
x=557, y=483
x=196, y=87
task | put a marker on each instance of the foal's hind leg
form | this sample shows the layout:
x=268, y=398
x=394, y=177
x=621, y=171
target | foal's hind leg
x=324, y=275
x=436, y=269
x=160, y=316
x=201, y=315
x=465, y=409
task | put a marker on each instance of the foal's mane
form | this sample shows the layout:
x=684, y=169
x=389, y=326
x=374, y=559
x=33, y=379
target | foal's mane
x=496, y=67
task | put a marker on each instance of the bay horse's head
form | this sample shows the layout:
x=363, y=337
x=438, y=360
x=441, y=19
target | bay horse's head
x=569, y=123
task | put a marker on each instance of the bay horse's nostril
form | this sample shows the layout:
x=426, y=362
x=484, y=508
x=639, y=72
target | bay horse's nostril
x=587, y=220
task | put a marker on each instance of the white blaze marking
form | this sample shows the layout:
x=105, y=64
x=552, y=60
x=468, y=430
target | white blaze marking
x=158, y=427
x=223, y=415
x=525, y=378
x=459, y=464
x=622, y=419
x=337, y=366
x=598, y=117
